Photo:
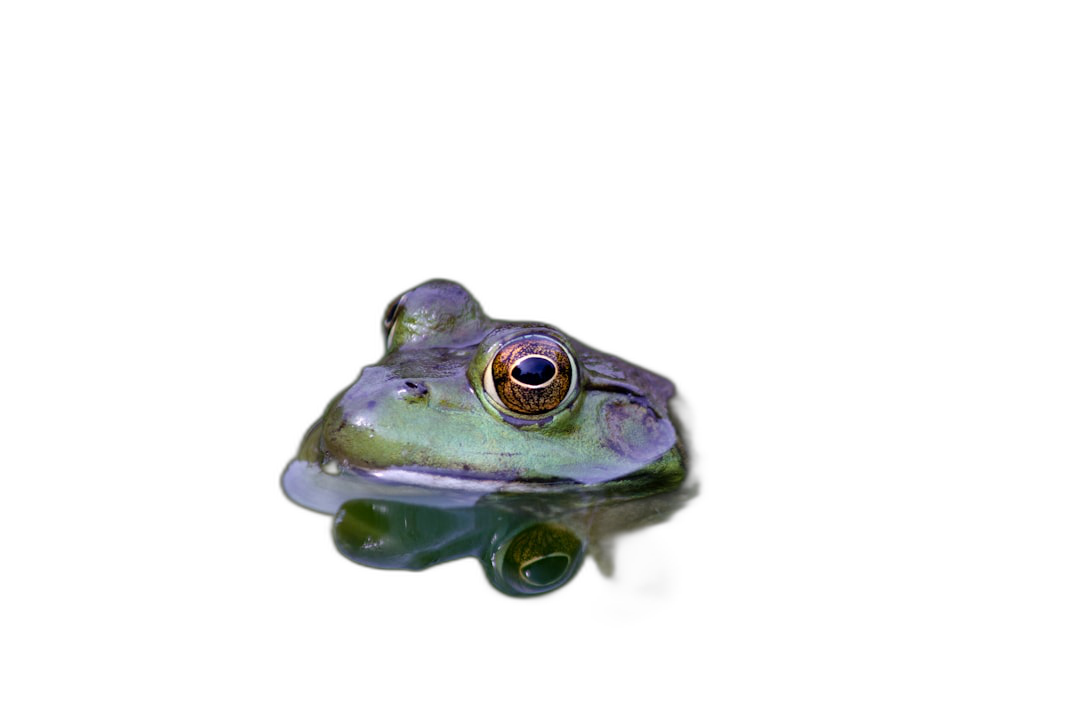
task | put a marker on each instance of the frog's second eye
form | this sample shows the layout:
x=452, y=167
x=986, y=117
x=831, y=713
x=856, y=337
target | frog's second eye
x=391, y=316
x=531, y=375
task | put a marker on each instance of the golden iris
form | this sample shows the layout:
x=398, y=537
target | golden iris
x=531, y=375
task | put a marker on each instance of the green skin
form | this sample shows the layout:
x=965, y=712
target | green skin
x=423, y=408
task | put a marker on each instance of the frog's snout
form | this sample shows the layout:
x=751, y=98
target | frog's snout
x=362, y=427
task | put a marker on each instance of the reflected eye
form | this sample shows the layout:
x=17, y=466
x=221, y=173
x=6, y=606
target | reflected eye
x=539, y=558
x=531, y=375
x=392, y=312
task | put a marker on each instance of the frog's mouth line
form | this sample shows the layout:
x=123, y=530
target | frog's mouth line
x=414, y=476
x=308, y=484
x=432, y=477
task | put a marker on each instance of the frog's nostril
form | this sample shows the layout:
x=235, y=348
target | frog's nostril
x=412, y=391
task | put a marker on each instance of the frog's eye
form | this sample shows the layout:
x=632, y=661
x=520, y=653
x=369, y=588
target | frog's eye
x=530, y=375
x=391, y=316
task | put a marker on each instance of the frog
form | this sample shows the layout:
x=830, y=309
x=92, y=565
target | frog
x=461, y=400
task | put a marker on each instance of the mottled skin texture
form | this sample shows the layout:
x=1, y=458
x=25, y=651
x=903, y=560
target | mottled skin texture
x=423, y=407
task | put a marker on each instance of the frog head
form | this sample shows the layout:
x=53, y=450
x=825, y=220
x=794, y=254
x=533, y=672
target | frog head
x=460, y=397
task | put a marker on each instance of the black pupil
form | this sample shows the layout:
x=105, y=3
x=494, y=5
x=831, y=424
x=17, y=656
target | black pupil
x=533, y=371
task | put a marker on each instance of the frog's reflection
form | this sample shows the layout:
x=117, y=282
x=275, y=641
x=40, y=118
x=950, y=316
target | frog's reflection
x=528, y=541
x=521, y=554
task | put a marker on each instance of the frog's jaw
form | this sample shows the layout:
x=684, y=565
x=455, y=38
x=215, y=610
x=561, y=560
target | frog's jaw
x=426, y=430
